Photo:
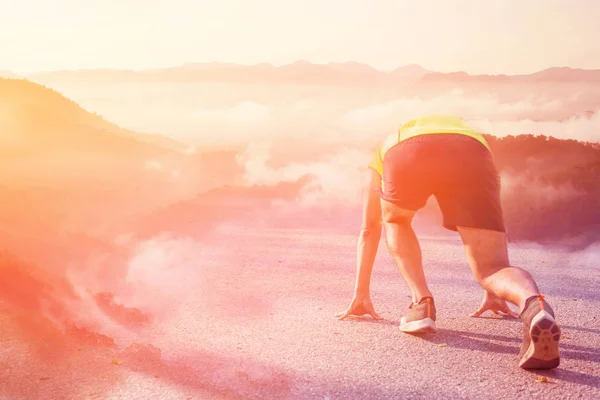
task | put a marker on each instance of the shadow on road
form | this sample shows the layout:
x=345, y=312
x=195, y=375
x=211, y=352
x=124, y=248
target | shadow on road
x=501, y=317
x=579, y=328
x=487, y=343
x=369, y=319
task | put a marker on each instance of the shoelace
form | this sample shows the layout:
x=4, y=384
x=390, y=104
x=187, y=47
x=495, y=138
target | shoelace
x=541, y=301
x=428, y=304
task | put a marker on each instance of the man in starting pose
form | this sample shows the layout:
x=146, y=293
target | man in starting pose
x=445, y=157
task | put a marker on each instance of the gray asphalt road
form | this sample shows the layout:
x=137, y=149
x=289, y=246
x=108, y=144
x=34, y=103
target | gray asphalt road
x=251, y=316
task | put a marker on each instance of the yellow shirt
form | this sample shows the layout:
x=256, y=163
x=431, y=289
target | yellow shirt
x=426, y=125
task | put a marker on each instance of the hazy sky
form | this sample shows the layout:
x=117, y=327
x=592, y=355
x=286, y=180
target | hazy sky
x=477, y=36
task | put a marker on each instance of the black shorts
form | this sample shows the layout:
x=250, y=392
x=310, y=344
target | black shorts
x=457, y=169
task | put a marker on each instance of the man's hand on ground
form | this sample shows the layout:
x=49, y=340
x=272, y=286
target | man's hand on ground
x=360, y=305
x=495, y=304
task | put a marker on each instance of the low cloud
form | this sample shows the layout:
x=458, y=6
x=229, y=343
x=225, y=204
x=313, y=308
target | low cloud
x=246, y=112
x=219, y=115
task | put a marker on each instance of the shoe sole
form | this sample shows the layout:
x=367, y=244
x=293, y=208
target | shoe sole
x=426, y=325
x=543, y=350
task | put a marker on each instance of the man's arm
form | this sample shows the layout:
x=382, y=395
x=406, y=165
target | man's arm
x=368, y=242
x=369, y=237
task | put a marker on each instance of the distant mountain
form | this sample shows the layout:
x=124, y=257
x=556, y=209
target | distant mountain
x=63, y=168
x=565, y=74
x=550, y=75
x=463, y=77
x=200, y=214
x=411, y=72
x=353, y=67
x=34, y=118
x=340, y=74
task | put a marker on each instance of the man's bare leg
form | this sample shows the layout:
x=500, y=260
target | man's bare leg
x=487, y=251
x=404, y=248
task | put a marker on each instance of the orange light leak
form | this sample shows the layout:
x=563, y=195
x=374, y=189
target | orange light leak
x=168, y=227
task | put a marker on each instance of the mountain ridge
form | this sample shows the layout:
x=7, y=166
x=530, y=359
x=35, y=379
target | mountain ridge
x=302, y=71
x=34, y=115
